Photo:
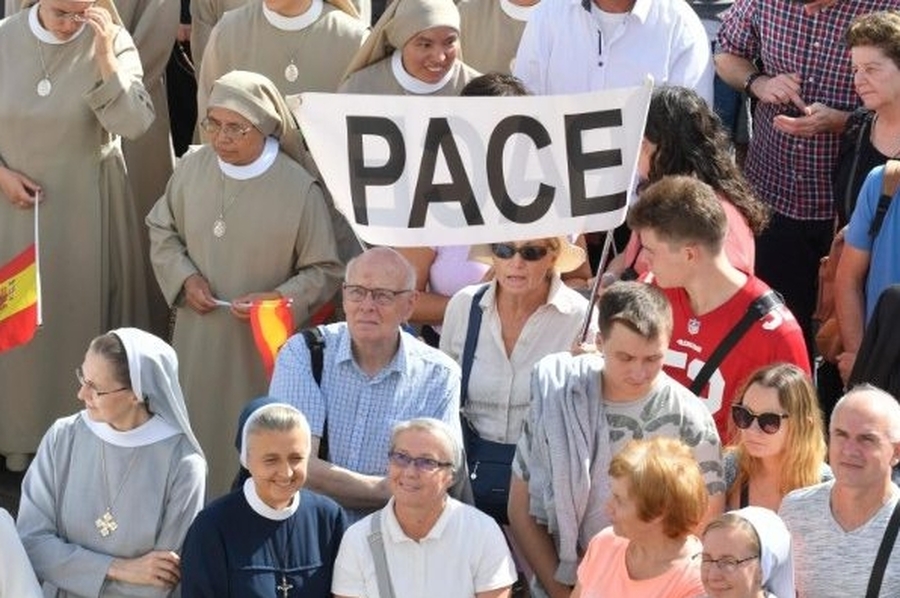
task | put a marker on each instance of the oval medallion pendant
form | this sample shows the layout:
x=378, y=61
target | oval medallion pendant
x=44, y=87
x=219, y=228
x=290, y=72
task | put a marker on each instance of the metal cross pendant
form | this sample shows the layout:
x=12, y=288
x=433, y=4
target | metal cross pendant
x=106, y=524
x=285, y=587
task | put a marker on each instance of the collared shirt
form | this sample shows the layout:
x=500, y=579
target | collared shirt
x=361, y=410
x=793, y=174
x=500, y=384
x=562, y=51
x=463, y=554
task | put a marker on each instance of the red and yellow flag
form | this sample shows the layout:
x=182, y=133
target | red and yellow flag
x=272, y=323
x=18, y=299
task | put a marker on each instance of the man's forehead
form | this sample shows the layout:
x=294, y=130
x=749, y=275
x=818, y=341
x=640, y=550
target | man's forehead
x=859, y=418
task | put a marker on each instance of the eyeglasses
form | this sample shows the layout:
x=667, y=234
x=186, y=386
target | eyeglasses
x=529, y=253
x=79, y=375
x=726, y=564
x=769, y=423
x=230, y=130
x=383, y=297
x=426, y=464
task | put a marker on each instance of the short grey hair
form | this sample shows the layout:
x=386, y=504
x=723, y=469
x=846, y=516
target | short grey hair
x=883, y=401
x=390, y=259
x=440, y=431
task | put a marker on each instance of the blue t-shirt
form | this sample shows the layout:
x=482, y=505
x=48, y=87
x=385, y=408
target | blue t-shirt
x=884, y=259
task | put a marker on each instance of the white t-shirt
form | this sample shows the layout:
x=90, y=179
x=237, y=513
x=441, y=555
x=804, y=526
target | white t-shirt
x=463, y=554
x=828, y=561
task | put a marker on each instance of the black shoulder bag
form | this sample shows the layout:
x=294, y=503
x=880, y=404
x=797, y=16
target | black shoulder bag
x=757, y=310
x=884, y=554
x=490, y=463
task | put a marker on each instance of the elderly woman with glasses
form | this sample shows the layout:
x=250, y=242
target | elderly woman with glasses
x=747, y=554
x=423, y=543
x=241, y=222
x=526, y=313
x=70, y=87
x=778, y=439
x=109, y=497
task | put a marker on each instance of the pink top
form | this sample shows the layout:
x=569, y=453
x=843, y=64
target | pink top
x=452, y=270
x=740, y=245
x=603, y=573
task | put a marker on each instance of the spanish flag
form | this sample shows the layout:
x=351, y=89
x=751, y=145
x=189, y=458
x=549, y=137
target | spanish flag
x=272, y=323
x=19, y=296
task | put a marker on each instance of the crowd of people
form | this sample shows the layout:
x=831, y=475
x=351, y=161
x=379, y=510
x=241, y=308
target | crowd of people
x=473, y=421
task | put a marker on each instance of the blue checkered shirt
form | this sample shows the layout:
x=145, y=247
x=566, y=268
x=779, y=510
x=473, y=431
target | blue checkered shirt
x=361, y=410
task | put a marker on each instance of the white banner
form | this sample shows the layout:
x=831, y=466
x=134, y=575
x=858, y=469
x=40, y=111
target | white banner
x=420, y=171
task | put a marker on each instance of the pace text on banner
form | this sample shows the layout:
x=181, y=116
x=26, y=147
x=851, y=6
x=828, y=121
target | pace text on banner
x=425, y=171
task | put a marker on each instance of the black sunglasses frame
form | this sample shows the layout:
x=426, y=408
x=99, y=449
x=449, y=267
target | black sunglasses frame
x=529, y=253
x=768, y=422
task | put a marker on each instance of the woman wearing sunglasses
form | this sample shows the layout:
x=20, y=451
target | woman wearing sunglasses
x=779, y=443
x=527, y=313
x=423, y=543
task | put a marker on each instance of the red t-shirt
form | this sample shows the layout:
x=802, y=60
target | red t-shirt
x=775, y=338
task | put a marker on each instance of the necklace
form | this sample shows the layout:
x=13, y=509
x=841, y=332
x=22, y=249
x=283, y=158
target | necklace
x=285, y=586
x=291, y=72
x=219, y=227
x=44, y=86
x=106, y=523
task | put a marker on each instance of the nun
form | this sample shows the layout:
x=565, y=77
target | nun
x=270, y=536
x=108, y=499
x=241, y=221
x=299, y=45
x=747, y=554
x=414, y=49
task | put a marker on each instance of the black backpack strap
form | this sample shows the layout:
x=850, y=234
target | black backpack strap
x=889, y=183
x=884, y=554
x=315, y=342
x=760, y=306
x=468, y=355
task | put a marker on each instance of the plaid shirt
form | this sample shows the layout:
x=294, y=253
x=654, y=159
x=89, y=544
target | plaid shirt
x=793, y=174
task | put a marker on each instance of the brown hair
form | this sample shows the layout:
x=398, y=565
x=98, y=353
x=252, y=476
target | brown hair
x=110, y=347
x=664, y=480
x=640, y=307
x=877, y=29
x=681, y=209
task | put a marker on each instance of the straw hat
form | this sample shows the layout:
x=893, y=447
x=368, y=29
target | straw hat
x=569, y=256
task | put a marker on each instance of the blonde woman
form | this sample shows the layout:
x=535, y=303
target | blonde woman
x=779, y=442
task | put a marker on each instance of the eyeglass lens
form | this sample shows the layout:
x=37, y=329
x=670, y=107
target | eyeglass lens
x=529, y=253
x=421, y=463
x=743, y=418
x=357, y=294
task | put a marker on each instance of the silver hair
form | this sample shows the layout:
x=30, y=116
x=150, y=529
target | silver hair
x=278, y=418
x=884, y=401
x=440, y=430
x=392, y=261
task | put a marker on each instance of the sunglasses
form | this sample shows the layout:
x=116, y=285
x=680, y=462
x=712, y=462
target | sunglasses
x=769, y=423
x=529, y=253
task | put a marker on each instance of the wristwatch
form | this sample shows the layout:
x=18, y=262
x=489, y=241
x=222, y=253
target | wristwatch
x=748, y=82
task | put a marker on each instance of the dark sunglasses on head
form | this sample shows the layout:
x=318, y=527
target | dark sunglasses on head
x=529, y=253
x=769, y=423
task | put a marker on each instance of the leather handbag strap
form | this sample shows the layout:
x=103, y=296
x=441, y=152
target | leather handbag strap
x=889, y=183
x=379, y=557
x=849, y=194
x=760, y=306
x=884, y=553
x=468, y=355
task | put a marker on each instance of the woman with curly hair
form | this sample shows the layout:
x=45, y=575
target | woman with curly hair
x=684, y=136
x=779, y=442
